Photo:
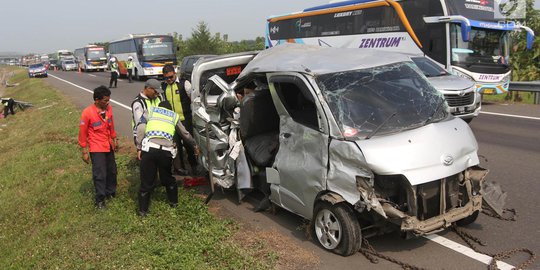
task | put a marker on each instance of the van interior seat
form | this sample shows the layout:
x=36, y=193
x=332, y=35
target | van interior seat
x=259, y=127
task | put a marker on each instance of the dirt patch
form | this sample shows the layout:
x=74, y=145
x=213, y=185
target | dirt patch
x=264, y=242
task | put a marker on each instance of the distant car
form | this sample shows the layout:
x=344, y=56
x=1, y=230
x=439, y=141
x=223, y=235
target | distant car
x=460, y=94
x=53, y=63
x=68, y=65
x=37, y=70
x=186, y=67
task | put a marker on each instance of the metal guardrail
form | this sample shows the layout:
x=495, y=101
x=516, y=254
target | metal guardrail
x=527, y=87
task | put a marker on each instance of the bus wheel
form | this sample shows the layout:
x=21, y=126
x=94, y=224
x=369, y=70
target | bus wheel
x=337, y=228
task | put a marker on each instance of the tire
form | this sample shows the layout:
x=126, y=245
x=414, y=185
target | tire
x=336, y=228
x=468, y=220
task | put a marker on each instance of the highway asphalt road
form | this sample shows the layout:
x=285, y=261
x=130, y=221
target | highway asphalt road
x=509, y=141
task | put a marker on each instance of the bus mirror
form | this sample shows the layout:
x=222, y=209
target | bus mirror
x=464, y=22
x=530, y=35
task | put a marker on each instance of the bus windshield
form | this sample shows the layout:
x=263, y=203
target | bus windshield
x=383, y=100
x=96, y=54
x=156, y=48
x=485, y=47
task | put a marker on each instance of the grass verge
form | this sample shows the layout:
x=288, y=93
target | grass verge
x=47, y=218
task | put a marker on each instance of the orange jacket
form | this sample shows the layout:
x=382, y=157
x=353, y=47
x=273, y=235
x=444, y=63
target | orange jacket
x=96, y=132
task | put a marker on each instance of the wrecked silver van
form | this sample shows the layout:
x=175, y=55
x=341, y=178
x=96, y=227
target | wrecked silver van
x=358, y=143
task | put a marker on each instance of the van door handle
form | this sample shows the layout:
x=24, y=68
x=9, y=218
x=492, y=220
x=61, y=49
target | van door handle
x=286, y=135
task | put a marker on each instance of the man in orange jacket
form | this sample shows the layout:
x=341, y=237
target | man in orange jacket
x=96, y=132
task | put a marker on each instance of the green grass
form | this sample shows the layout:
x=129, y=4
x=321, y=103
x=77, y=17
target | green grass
x=47, y=217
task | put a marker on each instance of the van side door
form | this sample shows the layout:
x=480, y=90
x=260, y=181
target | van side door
x=301, y=162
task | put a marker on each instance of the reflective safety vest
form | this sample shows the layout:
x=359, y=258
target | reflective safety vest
x=147, y=105
x=161, y=124
x=114, y=67
x=129, y=64
x=177, y=96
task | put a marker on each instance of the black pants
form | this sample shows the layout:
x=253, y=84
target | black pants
x=114, y=78
x=9, y=107
x=191, y=158
x=151, y=162
x=103, y=174
x=130, y=72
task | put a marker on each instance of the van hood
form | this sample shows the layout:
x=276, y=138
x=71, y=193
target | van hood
x=450, y=83
x=424, y=154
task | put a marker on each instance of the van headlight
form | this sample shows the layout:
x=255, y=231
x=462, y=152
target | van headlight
x=461, y=74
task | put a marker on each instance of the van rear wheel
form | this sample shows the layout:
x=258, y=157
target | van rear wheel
x=337, y=228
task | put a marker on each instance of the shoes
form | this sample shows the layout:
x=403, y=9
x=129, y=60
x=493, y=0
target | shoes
x=142, y=213
x=110, y=196
x=100, y=205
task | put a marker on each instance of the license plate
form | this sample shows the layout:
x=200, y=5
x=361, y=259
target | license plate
x=489, y=91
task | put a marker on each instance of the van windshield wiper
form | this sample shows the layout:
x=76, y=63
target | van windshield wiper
x=430, y=118
x=381, y=125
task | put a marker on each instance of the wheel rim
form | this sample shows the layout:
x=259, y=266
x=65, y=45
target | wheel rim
x=328, y=229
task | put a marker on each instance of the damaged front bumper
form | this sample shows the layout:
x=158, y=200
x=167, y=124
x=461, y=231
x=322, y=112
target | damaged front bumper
x=437, y=223
x=425, y=208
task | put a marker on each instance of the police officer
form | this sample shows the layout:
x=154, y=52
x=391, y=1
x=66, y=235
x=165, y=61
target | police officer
x=114, y=73
x=157, y=152
x=129, y=67
x=149, y=97
x=177, y=92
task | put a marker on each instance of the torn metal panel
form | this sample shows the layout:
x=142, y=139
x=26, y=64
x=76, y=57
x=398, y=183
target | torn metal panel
x=345, y=164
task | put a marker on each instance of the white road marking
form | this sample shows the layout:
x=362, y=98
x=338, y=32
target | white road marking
x=467, y=251
x=92, y=75
x=91, y=92
x=512, y=115
x=435, y=238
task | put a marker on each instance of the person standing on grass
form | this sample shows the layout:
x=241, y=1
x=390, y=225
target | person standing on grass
x=149, y=97
x=98, y=142
x=177, y=92
x=157, y=151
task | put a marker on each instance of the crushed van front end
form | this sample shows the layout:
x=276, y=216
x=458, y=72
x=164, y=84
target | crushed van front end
x=428, y=207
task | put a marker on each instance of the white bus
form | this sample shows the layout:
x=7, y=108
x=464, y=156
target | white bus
x=91, y=58
x=150, y=53
x=463, y=36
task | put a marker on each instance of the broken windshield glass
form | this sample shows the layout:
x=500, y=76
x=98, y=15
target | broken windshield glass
x=362, y=100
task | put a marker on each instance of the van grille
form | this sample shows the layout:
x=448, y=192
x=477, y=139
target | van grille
x=431, y=203
x=458, y=101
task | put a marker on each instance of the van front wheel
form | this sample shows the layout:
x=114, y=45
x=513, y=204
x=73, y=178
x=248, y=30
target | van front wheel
x=468, y=220
x=337, y=229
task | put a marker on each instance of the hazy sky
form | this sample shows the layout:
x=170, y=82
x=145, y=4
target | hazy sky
x=46, y=26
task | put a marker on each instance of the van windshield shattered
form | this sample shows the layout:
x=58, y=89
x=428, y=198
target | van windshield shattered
x=381, y=100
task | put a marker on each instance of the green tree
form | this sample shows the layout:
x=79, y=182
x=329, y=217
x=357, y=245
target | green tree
x=202, y=41
x=526, y=63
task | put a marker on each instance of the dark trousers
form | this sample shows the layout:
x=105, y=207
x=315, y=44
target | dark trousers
x=114, y=78
x=130, y=72
x=151, y=162
x=191, y=158
x=103, y=174
x=9, y=107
